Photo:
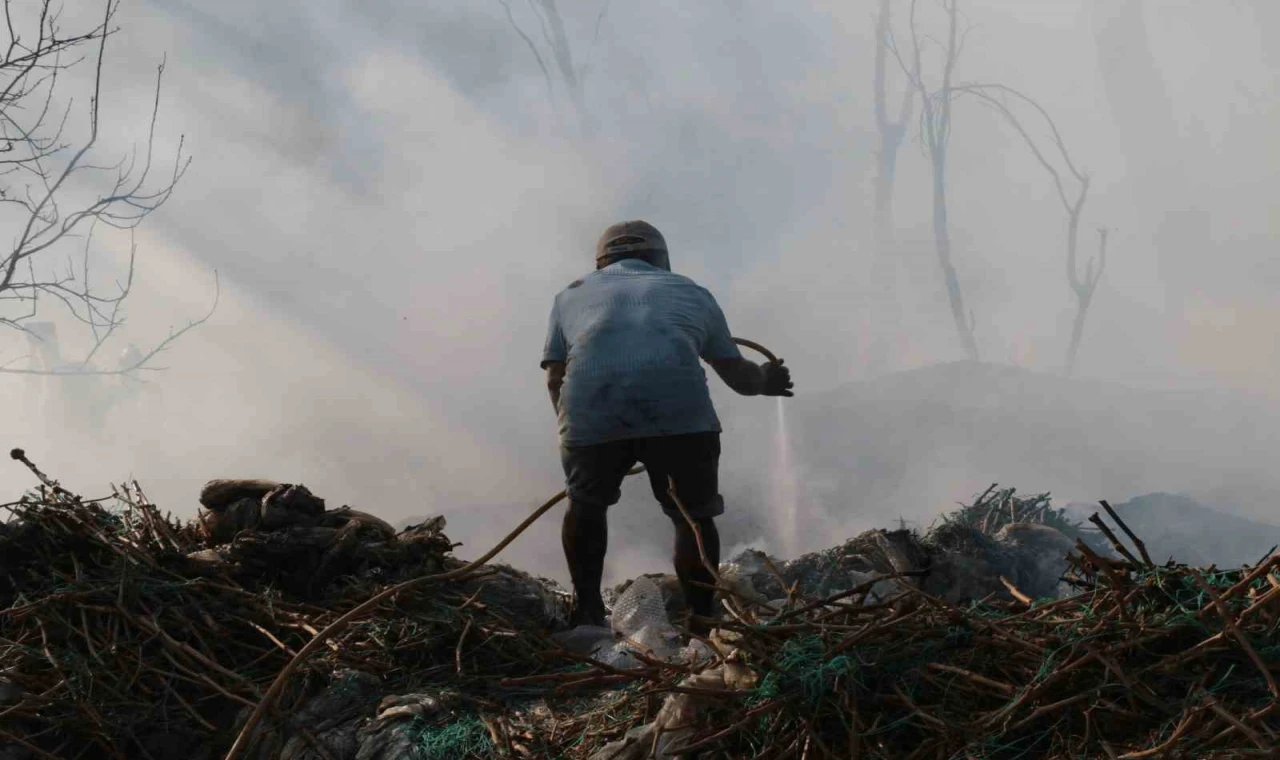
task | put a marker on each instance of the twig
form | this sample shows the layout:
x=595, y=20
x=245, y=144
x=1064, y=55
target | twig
x=1142, y=548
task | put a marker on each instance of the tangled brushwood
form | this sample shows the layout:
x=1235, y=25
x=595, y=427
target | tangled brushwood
x=126, y=634
x=123, y=635
x=1145, y=661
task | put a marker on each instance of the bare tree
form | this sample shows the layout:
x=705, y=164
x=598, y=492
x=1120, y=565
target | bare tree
x=556, y=46
x=882, y=306
x=891, y=130
x=935, y=131
x=1082, y=286
x=53, y=191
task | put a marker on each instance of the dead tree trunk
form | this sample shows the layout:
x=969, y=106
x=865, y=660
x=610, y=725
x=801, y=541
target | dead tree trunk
x=936, y=128
x=555, y=41
x=1084, y=288
x=882, y=305
x=891, y=134
x=942, y=242
x=564, y=60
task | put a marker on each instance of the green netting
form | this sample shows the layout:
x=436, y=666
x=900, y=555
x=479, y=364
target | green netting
x=802, y=665
x=464, y=737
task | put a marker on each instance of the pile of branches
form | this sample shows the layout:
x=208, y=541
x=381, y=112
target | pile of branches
x=127, y=634
x=997, y=507
x=1144, y=660
x=121, y=637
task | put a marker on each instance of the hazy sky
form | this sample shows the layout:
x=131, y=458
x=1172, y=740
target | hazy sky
x=391, y=200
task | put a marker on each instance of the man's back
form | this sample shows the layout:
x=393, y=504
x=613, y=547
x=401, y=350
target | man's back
x=622, y=370
x=631, y=335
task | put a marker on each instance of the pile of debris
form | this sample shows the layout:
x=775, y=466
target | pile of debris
x=1003, y=546
x=126, y=634
x=1143, y=660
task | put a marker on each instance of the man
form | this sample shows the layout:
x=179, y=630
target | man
x=622, y=363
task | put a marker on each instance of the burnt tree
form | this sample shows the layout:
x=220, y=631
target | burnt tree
x=556, y=47
x=935, y=132
x=1072, y=187
x=891, y=131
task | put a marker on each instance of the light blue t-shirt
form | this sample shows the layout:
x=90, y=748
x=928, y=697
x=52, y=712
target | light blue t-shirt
x=631, y=335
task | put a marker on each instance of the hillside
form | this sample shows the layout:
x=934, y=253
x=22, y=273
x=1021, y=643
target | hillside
x=1191, y=533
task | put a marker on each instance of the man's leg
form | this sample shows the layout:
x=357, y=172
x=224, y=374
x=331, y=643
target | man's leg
x=692, y=462
x=585, y=537
x=593, y=477
x=695, y=581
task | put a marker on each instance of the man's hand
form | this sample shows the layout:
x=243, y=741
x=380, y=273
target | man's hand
x=777, y=379
x=750, y=379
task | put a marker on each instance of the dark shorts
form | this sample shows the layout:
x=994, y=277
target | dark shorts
x=594, y=473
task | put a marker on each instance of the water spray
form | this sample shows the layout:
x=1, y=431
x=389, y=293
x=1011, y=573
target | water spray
x=781, y=471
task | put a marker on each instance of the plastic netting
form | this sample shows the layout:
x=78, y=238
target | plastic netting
x=639, y=606
x=462, y=738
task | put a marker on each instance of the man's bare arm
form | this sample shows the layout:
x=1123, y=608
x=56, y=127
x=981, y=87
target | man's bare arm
x=555, y=379
x=742, y=375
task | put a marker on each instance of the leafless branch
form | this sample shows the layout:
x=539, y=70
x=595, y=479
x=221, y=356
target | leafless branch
x=141, y=363
x=1084, y=289
x=595, y=38
x=891, y=130
x=988, y=94
x=45, y=173
x=562, y=53
x=539, y=14
x=935, y=133
x=557, y=49
x=533, y=48
x=1072, y=199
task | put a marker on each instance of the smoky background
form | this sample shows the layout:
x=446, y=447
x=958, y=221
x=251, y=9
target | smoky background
x=391, y=197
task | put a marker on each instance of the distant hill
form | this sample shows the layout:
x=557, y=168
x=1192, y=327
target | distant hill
x=1180, y=527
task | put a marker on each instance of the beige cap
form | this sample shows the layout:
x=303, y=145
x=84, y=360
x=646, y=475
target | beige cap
x=626, y=237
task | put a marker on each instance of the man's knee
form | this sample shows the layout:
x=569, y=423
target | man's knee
x=594, y=474
x=696, y=543
x=586, y=512
x=704, y=524
x=702, y=505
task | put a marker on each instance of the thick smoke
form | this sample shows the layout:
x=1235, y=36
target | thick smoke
x=391, y=198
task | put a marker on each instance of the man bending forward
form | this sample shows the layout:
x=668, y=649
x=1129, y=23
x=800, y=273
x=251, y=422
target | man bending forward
x=622, y=368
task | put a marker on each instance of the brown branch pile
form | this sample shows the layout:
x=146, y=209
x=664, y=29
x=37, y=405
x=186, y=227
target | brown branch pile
x=1145, y=661
x=123, y=636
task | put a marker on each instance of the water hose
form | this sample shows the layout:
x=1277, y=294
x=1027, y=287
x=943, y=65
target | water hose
x=751, y=344
x=273, y=692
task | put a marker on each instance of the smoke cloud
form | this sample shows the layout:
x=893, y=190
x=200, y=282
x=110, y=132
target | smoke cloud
x=392, y=196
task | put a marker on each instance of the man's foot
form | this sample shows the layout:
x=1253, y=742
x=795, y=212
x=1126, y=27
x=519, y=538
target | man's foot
x=583, y=614
x=700, y=625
